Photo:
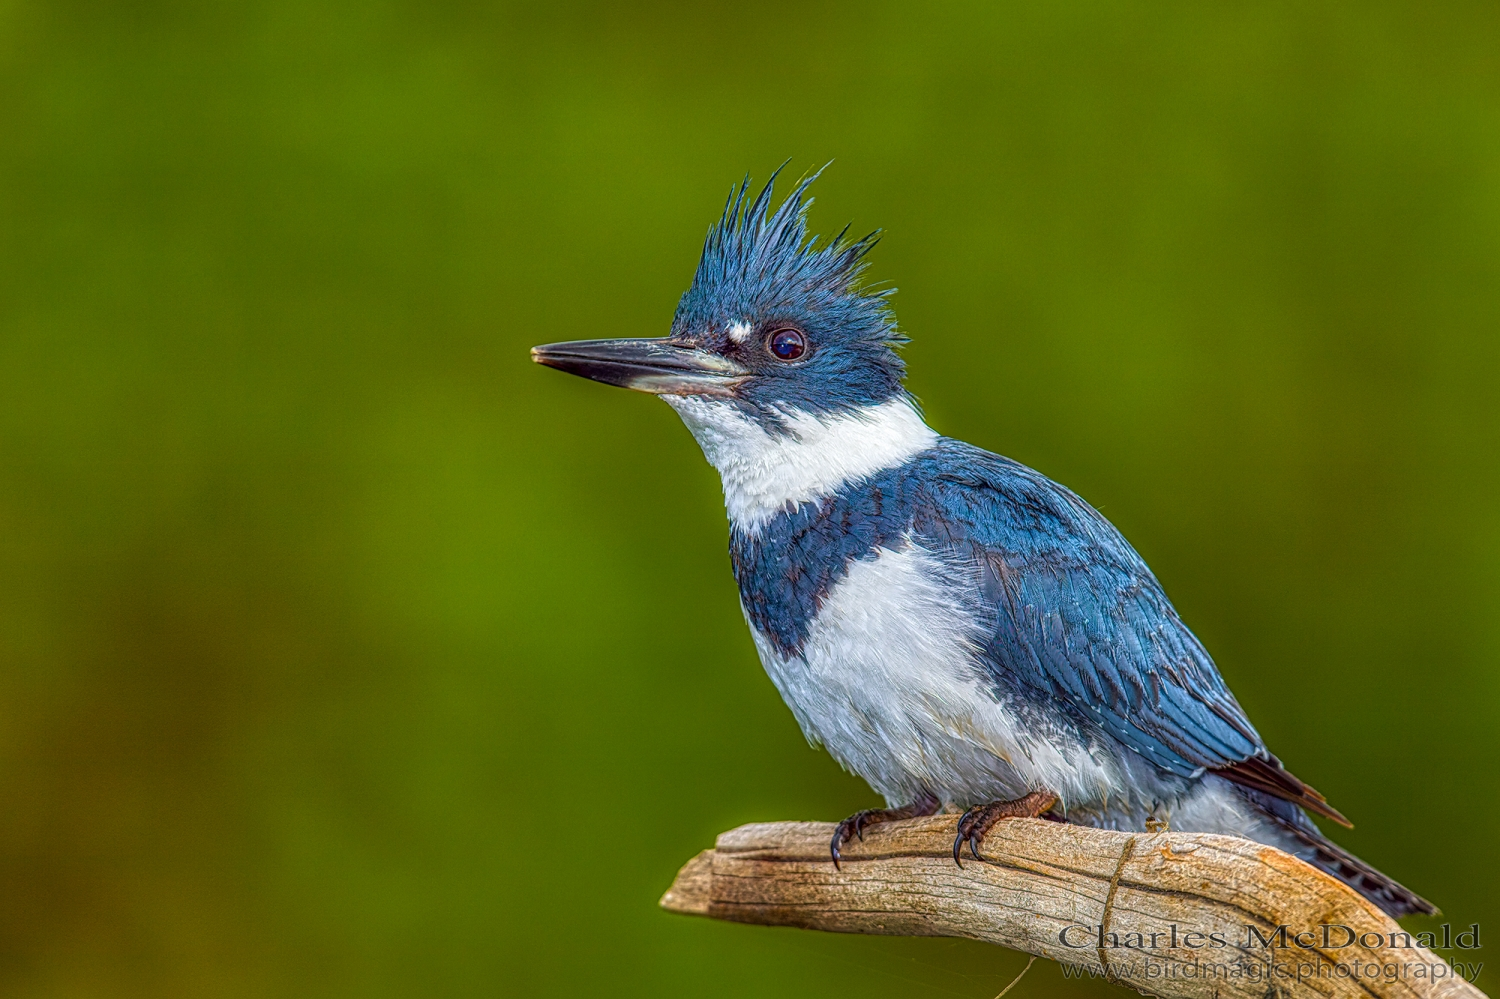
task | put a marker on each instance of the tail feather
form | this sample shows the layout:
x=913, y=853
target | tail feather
x=1266, y=774
x=1392, y=897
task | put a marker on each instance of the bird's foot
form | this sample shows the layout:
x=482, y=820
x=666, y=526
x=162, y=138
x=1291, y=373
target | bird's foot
x=982, y=818
x=855, y=825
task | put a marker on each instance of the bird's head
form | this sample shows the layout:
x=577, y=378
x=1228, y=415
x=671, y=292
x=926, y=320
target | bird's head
x=775, y=326
x=782, y=366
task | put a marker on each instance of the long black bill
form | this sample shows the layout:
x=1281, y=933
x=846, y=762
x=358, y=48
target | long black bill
x=659, y=366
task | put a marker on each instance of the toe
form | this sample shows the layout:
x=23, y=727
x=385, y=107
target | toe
x=965, y=824
x=840, y=837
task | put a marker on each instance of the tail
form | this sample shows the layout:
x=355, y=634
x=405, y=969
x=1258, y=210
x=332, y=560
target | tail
x=1392, y=897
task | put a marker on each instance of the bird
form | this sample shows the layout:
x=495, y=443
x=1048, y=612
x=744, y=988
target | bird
x=962, y=632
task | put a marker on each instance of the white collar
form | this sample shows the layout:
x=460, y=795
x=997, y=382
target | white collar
x=765, y=474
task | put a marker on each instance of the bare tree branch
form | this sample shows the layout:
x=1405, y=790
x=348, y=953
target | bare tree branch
x=1170, y=914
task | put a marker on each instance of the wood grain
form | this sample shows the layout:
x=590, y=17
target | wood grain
x=1103, y=901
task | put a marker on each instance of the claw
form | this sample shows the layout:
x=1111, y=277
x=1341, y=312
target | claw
x=840, y=837
x=965, y=835
x=850, y=828
x=854, y=825
x=978, y=820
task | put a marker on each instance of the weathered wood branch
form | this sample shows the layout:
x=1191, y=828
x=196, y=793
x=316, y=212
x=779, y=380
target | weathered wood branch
x=1103, y=901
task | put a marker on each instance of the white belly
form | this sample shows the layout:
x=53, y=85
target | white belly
x=889, y=683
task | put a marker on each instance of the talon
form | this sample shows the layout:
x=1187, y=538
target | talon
x=840, y=837
x=978, y=821
x=854, y=825
x=965, y=832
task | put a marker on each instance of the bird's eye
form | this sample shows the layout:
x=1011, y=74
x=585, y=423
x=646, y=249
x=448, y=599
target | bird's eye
x=788, y=344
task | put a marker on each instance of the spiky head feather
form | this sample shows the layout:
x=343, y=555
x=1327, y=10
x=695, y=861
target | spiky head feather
x=760, y=268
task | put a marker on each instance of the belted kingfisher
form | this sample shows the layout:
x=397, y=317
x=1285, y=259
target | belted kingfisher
x=954, y=627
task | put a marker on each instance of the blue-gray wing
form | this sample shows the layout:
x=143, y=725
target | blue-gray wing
x=1079, y=615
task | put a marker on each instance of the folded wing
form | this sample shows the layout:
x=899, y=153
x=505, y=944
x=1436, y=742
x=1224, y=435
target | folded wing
x=1079, y=615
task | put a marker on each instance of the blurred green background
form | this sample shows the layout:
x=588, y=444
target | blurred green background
x=347, y=653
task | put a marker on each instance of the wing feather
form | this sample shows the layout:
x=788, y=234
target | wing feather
x=1078, y=614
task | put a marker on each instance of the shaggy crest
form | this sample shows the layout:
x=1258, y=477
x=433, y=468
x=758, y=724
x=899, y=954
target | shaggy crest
x=758, y=263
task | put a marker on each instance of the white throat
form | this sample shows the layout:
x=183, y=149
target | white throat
x=765, y=474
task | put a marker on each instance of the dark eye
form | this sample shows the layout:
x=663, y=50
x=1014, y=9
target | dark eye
x=788, y=344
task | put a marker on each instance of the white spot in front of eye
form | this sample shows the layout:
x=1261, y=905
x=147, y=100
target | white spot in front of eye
x=740, y=332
